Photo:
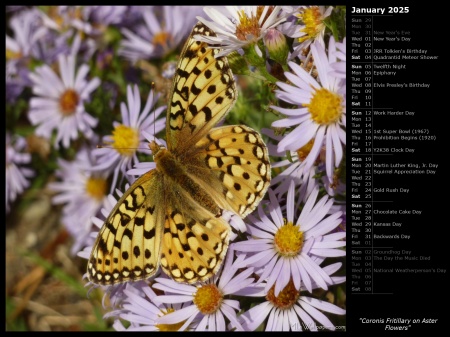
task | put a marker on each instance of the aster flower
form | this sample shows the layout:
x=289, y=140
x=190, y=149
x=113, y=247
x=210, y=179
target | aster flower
x=16, y=80
x=164, y=30
x=16, y=175
x=240, y=27
x=339, y=67
x=236, y=223
x=311, y=29
x=73, y=21
x=335, y=187
x=61, y=102
x=27, y=31
x=286, y=249
x=55, y=43
x=132, y=15
x=82, y=193
x=138, y=308
x=90, y=20
x=322, y=112
x=342, y=208
x=292, y=309
x=64, y=18
x=127, y=138
x=20, y=49
x=293, y=168
x=210, y=304
x=103, y=16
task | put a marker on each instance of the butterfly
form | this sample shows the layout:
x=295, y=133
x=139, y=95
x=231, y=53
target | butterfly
x=171, y=216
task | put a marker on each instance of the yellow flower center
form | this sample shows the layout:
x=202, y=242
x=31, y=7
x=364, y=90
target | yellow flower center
x=313, y=20
x=288, y=239
x=249, y=27
x=325, y=107
x=68, y=102
x=169, y=327
x=63, y=21
x=286, y=298
x=13, y=55
x=208, y=299
x=304, y=151
x=54, y=15
x=163, y=39
x=126, y=140
x=96, y=187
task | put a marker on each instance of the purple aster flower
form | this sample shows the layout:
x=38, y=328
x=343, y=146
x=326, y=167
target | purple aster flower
x=286, y=249
x=82, y=192
x=28, y=29
x=20, y=49
x=338, y=68
x=291, y=309
x=73, y=21
x=138, y=308
x=336, y=188
x=53, y=44
x=127, y=138
x=64, y=18
x=16, y=175
x=236, y=223
x=294, y=169
x=103, y=16
x=343, y=225
x=211, y=305
x=240, y=26
x=322, y=110
x=61, y=102
x=311, y=28
x=132, y=15
x=16, y=80
x=165, y=28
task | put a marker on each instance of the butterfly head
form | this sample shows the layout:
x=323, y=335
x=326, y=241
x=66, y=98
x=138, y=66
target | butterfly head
x=154, y=147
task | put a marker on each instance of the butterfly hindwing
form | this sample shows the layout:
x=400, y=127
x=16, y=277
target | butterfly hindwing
x=128, y=245
x=194, y=242
x=232, y=165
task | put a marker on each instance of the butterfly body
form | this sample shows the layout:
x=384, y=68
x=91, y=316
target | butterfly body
x=173, y=169
x=171, y=216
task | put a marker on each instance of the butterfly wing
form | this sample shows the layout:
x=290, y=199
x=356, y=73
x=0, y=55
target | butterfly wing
x=129, y=243
x=195, y=241
x=203, y=91
x=232, y=165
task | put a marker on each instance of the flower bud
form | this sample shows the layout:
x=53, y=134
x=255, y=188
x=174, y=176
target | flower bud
x=276, y=45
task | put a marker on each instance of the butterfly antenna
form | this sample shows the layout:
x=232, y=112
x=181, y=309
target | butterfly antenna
x=154, y=121
x=154, y=114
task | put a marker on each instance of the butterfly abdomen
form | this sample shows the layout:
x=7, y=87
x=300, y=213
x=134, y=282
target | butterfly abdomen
x=168, y=164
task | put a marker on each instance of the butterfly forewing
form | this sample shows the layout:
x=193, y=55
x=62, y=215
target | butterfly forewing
x=128, y=245
x=203, y=92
